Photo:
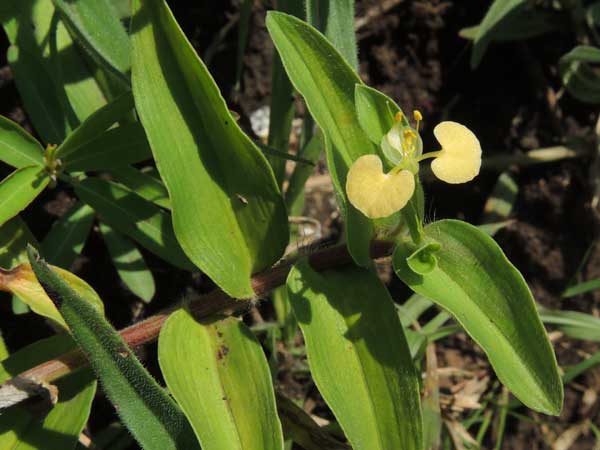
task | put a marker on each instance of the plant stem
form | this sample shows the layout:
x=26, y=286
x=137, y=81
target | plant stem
x=211, y=304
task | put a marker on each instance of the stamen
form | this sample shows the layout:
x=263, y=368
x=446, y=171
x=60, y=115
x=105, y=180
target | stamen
x=409, y=139
x=418, y=117
x=398, y=116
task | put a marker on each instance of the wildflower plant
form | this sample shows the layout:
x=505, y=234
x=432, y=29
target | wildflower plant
x=148, y=145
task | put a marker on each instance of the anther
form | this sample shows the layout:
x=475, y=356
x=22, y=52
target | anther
x=398, y=116
x=418, y=117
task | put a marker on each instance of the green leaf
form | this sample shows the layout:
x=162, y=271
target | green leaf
x=300, y=427
x=117, y=147
x=578, y=76
x=73, y=75
x=41, y=100
x=52, y=76
x=19, y=189
x=227, y=209
x=95, y=124
x=477, y=284
x=282, y=100
x=130, y=264
x=99, y=31
x=499, y=11
x=21, y=282
x=500, y=203
x=14, y=237
x=518, y=25
x=135, y=217
x=219, y=375
x=335, y=19
x=143, y=184
x=327, y=83
x=375, y=112
x=146, y=409
x=582, y=288
x=65, y=240
x=245, y=16
x=311, y=151
x=17, y=147
x=575, y=324
x=358, y=355
x=60, y=429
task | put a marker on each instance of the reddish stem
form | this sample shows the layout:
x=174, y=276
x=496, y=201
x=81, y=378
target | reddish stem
x=216, y=302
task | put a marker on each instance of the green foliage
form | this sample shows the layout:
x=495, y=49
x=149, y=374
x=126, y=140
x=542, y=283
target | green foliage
x=475, y=282
x=127, y=212
x=17, y=147
x=144, y=184
x=335, y=19
x=327, y=83
x=282, y=99
x=148, y=411
x=510, y=20
x=117, y=147
x=578, y=74
x=226, y=204
x=219, y=375
x=60, y=429
x=358, y=355
x=95, y=125
x=130, y=264
x=40, y=52
x=66, y=238
x=99, y=30
x=19, y=189
x=499, y=11
x=207, y=198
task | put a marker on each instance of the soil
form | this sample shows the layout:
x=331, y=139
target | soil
x=412, y=53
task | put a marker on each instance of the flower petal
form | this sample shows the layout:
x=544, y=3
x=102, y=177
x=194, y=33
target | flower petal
x=460, y=158
x=375, y=193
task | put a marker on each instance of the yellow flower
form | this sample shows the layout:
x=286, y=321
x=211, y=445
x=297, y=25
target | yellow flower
x=459, y=160
x=378, y=195
x=375, y=193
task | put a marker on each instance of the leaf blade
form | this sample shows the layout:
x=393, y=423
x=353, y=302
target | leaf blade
x=17, y=147
x=19, y=189
x=351, y=359
x=327, y=83
x=219, y=375
x=149, y=413
x=130, y=264
x=135, y=217
x=227, y=222
x=475, y=282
